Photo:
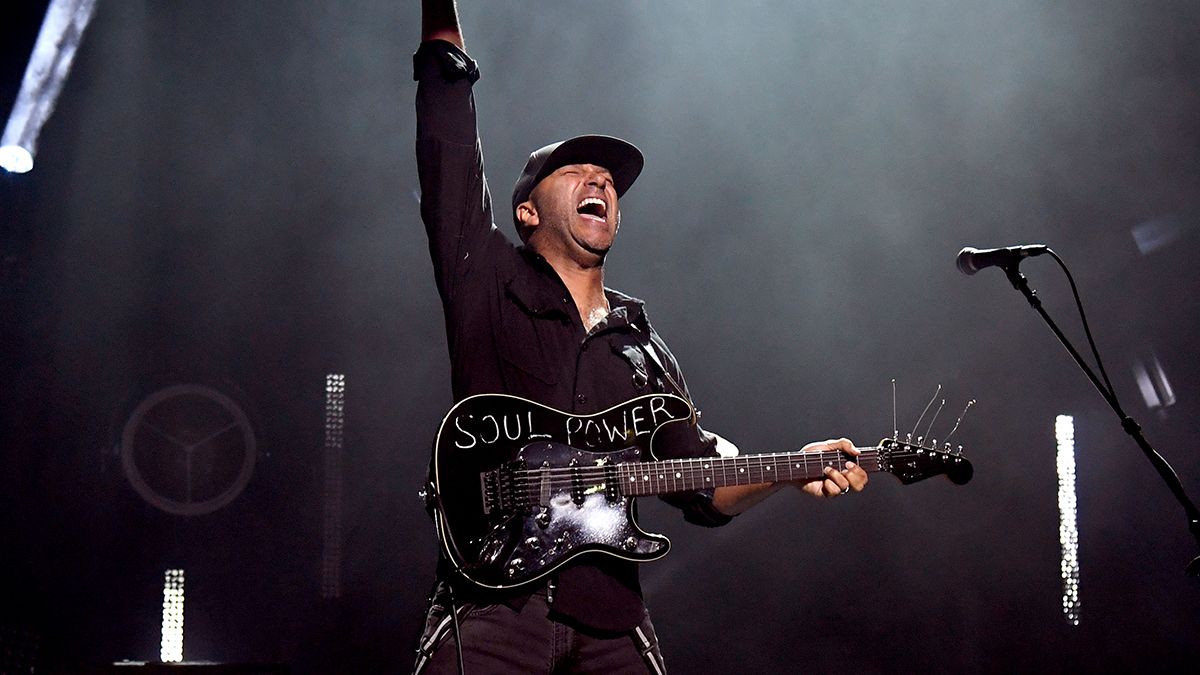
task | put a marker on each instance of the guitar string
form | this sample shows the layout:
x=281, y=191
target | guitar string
x=824, y=456
x=532, y=493
x=695, y=464
x=688, y=481
x=688, y=470
x=764, y=458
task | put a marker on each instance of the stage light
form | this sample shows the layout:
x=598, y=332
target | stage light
x=171, y=650
x=1068, y=533
x=335, y=423
x=15, y=159
x=1152, y=381
x=49, y=65
x=1160, y=233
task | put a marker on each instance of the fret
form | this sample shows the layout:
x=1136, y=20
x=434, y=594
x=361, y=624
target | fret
x=702, y=473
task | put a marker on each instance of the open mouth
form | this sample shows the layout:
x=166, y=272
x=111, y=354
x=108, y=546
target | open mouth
x=592, y=207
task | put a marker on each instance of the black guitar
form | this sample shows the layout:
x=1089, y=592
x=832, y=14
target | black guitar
x=518, y=489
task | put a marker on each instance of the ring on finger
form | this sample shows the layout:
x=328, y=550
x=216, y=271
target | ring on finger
x=845, y=490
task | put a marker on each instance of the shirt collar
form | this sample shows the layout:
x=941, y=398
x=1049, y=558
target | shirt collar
x=544, y=292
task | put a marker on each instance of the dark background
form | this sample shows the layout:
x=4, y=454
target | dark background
x=226, y=196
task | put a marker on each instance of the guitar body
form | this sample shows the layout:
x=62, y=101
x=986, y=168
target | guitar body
x=520, y=489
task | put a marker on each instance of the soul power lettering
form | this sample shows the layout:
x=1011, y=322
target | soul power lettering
x=615, y=426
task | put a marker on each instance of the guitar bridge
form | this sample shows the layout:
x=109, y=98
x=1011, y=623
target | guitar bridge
x=496, y=487
x=489, y=485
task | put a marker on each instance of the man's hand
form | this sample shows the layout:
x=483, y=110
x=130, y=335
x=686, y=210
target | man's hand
x=835, y=483
x=439, y=21
x=733, y=499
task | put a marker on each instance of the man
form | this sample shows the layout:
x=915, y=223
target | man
x=536, y=321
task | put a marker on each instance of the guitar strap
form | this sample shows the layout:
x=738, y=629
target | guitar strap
x=637, y=355
x=648, y=349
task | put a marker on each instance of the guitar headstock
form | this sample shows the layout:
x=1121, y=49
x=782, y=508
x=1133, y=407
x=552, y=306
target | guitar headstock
x=912, y=462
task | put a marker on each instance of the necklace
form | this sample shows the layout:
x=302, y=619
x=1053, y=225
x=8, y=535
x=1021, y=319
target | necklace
x=596, y=315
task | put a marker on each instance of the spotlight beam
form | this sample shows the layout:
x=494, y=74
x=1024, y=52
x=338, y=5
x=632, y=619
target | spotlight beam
x=49, y=65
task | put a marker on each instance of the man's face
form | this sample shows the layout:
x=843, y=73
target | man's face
x=573, y=212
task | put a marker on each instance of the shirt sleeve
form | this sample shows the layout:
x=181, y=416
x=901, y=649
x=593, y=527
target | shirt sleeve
x=688, y=441
x=455, y=204
x=697, y=506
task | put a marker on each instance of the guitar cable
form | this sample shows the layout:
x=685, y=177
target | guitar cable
x=433, y=504
x=457, y=630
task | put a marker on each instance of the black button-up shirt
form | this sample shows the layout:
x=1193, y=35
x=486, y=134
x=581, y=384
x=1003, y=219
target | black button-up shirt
x=512, y=327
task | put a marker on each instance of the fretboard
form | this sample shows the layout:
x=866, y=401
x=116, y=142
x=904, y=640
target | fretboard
x=684, y=475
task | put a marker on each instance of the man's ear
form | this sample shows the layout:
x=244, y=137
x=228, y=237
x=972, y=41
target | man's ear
x=527, y=214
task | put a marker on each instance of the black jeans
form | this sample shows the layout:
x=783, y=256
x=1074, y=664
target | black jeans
x=499, y=639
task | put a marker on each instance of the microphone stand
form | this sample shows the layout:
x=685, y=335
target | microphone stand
x=1130, y=426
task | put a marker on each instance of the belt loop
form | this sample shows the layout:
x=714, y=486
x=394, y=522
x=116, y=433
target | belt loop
x=551, y=585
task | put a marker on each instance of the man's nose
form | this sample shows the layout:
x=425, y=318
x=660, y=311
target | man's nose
x=597, y=179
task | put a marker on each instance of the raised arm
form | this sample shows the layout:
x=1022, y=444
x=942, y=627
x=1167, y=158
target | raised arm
x=455, y=205
x=439, y=21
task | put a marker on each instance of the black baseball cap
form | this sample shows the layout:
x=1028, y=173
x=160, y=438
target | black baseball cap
x=622, y=159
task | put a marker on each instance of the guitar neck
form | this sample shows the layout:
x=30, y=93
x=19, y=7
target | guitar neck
x=641, y=479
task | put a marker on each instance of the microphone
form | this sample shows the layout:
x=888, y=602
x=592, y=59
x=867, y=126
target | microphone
x=971, y=260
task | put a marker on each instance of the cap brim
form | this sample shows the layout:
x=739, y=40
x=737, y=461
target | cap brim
x=622, y=158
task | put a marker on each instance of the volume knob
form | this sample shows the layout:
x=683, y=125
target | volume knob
x=515, y=567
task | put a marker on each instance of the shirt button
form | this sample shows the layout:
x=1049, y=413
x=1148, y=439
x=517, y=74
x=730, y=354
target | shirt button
x=581, y=399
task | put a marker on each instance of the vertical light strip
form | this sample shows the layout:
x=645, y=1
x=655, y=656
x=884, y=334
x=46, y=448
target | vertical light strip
x=335, y=422
x=1068, y=534
x=171, y=650
x=53, y=53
